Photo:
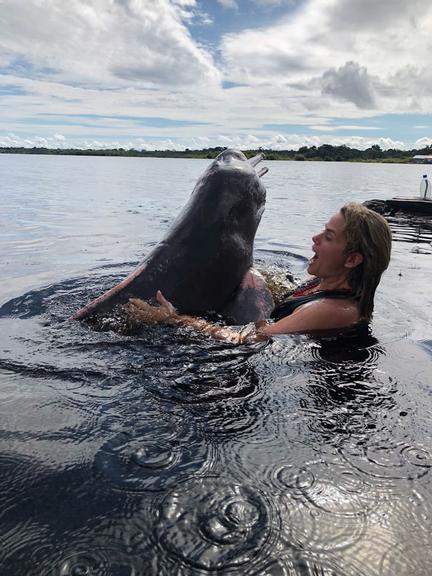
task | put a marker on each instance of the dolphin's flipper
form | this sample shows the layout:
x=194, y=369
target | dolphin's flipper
x=108, y=296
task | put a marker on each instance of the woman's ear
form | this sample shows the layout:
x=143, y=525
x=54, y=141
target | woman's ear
x=353, y=259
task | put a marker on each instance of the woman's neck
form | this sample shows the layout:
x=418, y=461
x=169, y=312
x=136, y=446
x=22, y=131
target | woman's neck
x=333, y=284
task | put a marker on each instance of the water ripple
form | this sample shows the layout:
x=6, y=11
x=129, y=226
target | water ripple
x=324, y=508
x=215, y=382
x=389, y=460
x=323, y=477
x=152, y=456
x=408, y=558
x=83, y=559
x=21, y=465
x=212, y=524
x=17, y=540
x=304, y=563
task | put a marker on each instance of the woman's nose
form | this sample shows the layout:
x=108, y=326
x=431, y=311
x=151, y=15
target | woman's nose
x=315, y=238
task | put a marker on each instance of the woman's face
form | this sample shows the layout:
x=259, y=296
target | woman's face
x=329, y=250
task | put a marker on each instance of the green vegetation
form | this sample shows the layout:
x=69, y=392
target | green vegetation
x=325, y=152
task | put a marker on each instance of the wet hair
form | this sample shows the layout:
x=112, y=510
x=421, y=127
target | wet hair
x=367, y=233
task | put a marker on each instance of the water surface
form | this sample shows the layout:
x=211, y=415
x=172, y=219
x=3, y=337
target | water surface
x=166, y=453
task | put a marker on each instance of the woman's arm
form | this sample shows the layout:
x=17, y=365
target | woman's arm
x=325, y=314
x=165, y=313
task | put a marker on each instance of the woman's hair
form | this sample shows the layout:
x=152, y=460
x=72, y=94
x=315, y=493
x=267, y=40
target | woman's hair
x=368, y=234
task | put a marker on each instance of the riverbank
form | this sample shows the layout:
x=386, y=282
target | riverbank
x=324, y=153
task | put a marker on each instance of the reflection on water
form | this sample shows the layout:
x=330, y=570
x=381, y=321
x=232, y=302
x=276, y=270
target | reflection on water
x=167, y=453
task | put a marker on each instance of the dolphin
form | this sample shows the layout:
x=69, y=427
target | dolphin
x=204, y=263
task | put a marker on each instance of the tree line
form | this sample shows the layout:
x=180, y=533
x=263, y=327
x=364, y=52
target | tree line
x=325, y=152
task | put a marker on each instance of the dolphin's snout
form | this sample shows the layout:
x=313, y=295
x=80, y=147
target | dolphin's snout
x=256, y=159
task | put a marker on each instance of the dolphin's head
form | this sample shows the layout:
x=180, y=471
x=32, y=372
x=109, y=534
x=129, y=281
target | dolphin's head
x=230, y=155
x=241, y=194
x=225, y=208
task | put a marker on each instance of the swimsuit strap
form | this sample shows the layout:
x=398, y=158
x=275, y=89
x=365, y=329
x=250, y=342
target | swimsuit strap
x=303, y=289
x=287, y=306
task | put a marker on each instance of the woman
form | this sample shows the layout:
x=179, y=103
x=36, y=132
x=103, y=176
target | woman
x=350, y=255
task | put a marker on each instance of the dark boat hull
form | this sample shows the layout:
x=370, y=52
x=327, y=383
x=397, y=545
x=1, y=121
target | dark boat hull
x=393, y=206
x=411, y=204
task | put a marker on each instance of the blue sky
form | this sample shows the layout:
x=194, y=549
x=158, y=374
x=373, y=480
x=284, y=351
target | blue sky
x=195, y=73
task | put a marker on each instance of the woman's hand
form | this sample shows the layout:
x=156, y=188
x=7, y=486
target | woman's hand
x=165, y=313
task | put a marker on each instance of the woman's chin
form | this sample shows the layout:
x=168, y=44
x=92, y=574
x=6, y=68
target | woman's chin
x=311, y=269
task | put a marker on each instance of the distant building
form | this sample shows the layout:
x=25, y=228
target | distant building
x=422, y=159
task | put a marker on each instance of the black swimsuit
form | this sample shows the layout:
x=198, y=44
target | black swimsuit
x=292, y=302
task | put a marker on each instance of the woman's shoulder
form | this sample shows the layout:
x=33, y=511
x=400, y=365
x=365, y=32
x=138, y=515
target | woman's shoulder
x=321, y=314
x=334, y=312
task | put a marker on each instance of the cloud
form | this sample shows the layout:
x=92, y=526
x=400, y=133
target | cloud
x=272, y=3
x=377, y=17
x=119, y=66
x=105, y=42
x=351, y=128
x=242, y=142
x=230, y=4
x=185, y=3
x=423, y=142
x=358, y=50
x=409, y=80
x=350, y=82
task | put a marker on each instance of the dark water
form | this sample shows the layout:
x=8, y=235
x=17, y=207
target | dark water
x=165, y=453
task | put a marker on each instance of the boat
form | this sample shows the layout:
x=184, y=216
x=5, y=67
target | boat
x=415, y=205
x=411, y=204
x=408, y=205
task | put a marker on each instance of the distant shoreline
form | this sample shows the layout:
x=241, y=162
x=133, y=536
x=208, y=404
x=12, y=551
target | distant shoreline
x=324, y=153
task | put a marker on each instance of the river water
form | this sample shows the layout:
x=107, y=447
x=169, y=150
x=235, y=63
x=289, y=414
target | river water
x=165, y=453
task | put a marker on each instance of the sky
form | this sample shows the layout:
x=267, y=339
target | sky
x=176, y=74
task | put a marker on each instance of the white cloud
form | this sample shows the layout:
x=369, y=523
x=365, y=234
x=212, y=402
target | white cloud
x=243, y=142
x=230, y=4
x=272, y=3
x=185, y=3
x=423, y=142
x=105, y=42
x=80, y=69
x=353, y=128
x=368, y=54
